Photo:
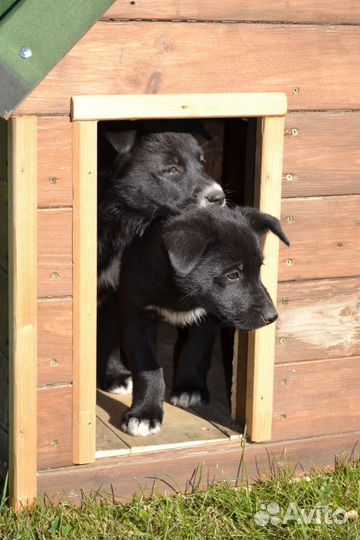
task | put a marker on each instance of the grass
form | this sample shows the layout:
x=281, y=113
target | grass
x=222, y=512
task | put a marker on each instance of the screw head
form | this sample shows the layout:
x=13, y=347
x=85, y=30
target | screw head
x=282, y=341
x=294, y=132
x=54, y=276
x=53, y=362
x=289, y=177
x=283, y=380
x=296, y=91
x=25, y=52
x=55, y=443
x=52, y=180
x=283, y=416
x=289, y=262
x=285, y=300
x=290, y=219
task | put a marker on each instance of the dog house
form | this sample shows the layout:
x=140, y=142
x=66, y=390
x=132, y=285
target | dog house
x=295, y=384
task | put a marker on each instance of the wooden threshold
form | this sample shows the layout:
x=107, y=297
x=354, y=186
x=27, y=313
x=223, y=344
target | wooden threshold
x=181, y=429
x=180, y=469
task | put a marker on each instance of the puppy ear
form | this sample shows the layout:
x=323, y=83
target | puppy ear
x=121, y=141
x=262, y=223
x=185, y=249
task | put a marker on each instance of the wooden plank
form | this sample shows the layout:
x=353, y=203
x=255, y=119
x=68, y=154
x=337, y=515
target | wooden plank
x=324, y=236
x=147, y=58
x=3, y=193
x=346, y=12
x=185, y=467
x=4, y=392
x=55, y=161
x=107, y=442
x=55, y=252
x=23, y=308
x=3, y=225
x=55, y=341
x=180, y=427
x=321, y=154
x=85, y=292
x=318, y=319
x=261, y=343
x=4, y=454
x=327, y=398
x=4, y=313
x=177, y=106
x=54, y=441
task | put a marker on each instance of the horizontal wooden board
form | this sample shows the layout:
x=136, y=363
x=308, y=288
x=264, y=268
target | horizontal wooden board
x=324, y=238
x=318, y=11
x=316, y=398
x=55, y=252
x=188, y=467
x=321, y=154
x=143, y=57
x=54, y=341
x=54, y=426
x=318, y=319
x=180, y=428
x=54, y=162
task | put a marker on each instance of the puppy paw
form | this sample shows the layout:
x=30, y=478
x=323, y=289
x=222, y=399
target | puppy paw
x=141, y=427
x=122, y=386
x=188, y=399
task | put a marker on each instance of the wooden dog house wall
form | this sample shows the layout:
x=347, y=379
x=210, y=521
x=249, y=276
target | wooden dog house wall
x=310, y=54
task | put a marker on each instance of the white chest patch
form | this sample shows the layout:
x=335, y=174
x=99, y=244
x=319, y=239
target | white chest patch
x=110, y=276
x=180, y=318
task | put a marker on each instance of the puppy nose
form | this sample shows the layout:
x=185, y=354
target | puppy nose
x=216, y=197
x=269, y=315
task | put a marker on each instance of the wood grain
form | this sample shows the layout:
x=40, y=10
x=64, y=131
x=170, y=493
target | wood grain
x=4, y=392
x=127, y=475
x=233, y=10
x=324, y=237
x=4, y=313
x=261, y=343
x=180, y=427
x=152, y=106
x=55, y=341
x=321, y=155
x=54, y=162
x=23, y=309
x=318, y=319
x=85, y=290
x=54, y=440
x=55, y=252
x=147, y=58
x=316, y=398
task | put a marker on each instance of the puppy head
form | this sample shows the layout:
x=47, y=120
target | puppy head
x=163, y=166
x=216, y=257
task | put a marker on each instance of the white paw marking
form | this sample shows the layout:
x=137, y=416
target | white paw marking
x=124, y=389
x=187, y=399
x=140, y=428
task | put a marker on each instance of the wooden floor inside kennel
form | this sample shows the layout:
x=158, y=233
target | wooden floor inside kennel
x=181, y=428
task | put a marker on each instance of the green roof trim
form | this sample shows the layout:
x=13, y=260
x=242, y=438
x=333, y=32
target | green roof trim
x=49, y=28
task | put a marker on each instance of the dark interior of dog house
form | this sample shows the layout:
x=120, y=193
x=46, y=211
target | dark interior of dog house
x=229, y=147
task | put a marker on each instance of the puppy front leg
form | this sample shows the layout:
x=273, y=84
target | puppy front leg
x=146, y=412
x=192, y=361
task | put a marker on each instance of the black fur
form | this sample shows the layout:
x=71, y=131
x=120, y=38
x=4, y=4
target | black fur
x=201, y=259
x=149, y=171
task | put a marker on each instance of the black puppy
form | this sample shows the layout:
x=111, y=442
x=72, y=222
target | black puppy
x=203, y=263
x=157, y=169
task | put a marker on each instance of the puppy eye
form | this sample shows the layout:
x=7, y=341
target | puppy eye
x=234, y=275
x=173, y=170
